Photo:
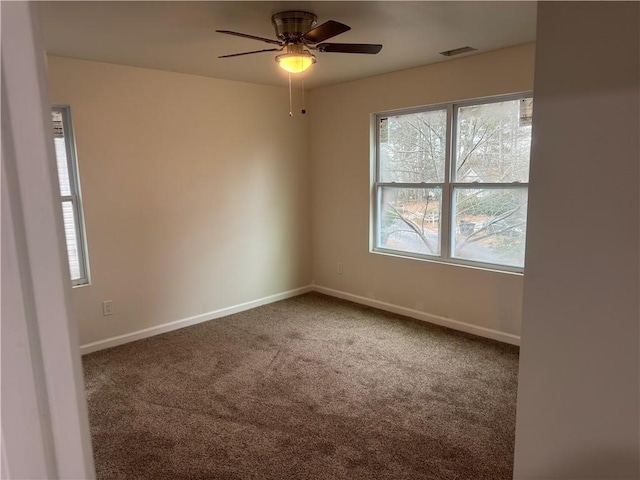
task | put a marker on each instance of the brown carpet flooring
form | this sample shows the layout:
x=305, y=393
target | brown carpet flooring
x=306, y=388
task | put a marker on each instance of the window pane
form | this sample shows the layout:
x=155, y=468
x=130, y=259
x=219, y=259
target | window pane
x=493, y=142
x=412, y=147
x=410, y=219
x=70, y=232
x=61, y=154
x=490, y=225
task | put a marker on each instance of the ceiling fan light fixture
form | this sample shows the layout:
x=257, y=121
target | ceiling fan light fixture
x=295, y=62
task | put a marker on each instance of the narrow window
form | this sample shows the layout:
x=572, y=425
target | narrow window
x=69, y=182
x=451, y=182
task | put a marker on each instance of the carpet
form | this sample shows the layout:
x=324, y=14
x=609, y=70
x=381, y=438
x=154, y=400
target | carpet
x=306, y=388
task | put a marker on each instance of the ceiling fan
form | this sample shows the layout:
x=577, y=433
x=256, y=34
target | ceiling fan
x=297, y=34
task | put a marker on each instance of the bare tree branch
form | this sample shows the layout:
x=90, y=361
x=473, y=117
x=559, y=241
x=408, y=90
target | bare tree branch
x=484, y=139
x=424, y=214
x=413, y=227
x=472, y=238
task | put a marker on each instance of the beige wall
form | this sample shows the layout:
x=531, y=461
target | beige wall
x=578, y=394
x=340, y=153
x=195, y=193
x=199, y=195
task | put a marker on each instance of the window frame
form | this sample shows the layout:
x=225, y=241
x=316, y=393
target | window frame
x=75, y=196
x=447, y=187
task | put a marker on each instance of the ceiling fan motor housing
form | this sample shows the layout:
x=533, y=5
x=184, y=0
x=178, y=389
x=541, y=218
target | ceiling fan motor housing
x=297, y=32
x=291, y=26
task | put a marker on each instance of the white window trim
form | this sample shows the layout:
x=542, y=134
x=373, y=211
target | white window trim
x=447, y=186
x=76, y=195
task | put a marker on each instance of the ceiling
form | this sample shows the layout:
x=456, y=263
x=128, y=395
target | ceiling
x=180, y=36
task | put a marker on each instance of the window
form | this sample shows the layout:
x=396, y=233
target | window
x=70, y=195
x=451, y=182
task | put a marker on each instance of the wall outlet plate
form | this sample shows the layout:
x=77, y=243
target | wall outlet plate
x=107, y=307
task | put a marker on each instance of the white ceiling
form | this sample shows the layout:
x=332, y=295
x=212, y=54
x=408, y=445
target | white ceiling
x=180, y=36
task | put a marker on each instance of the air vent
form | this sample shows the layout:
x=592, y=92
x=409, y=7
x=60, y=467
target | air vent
x=458, y=51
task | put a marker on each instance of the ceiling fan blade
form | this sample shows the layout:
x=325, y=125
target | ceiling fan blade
x=249, y=53
x=349, y=47
x=252, y=37
x=325, y=31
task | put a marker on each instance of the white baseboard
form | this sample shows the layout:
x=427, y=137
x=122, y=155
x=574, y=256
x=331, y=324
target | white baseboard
x=426, y=317
x=408, y=312
x=186, y=322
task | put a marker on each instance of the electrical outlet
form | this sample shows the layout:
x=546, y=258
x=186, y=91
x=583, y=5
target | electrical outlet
x=340, y=269
x=107, y=307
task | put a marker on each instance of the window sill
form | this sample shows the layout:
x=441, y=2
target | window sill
x=452, y=263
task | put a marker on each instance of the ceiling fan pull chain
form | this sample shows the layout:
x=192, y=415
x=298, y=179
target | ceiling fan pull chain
x=304, y=108
x=290, y=101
